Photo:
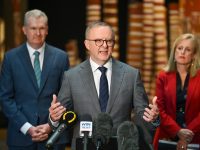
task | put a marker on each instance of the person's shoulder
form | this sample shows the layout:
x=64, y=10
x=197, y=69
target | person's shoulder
x=198, y=73
x=80, y=66
x=13, y=51
x=73, y=71
x=125, y=66
x=56, y=49
x=166, y=74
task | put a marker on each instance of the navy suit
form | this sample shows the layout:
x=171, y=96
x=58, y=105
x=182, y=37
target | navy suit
x=21, y=99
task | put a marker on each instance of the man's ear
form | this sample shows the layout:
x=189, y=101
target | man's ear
x=24, y=30
x=86, y=42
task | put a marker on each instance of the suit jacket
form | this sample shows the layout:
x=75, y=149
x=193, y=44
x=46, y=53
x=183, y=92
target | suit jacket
x=21, y=99
x=166, y=92
x=78, y=92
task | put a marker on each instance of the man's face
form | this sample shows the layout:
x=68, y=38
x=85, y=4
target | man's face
x=36, y=31
x=100, y=44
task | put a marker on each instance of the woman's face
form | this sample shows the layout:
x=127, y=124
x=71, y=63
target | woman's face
x=184, y=52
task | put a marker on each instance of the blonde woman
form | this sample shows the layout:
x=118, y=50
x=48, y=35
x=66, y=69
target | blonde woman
x=178, y=92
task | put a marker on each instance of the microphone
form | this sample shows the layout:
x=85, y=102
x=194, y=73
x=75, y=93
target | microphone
x=128, y=136
x=85, y=129
x=102, y=130
x=67, y=120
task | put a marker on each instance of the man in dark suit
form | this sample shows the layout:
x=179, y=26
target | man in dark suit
x=27, y=83
x=81, y=88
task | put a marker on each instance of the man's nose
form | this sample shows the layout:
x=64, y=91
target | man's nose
x=38, y=32
x=105, y=43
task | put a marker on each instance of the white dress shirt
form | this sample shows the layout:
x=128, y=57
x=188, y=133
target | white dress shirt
x=97, y=73
x=32, y=56
x=31, y=51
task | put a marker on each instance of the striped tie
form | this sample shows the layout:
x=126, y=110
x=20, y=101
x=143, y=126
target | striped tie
x=37, y=67
x=103, y=89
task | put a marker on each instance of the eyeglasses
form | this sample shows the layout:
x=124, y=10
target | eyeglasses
x=100, y=42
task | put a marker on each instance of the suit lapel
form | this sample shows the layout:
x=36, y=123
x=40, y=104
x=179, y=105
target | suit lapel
x=89, y=84
x=193, y=85
x=116, y=81
x=47, y=65
x=171, y=85
x=26, y=61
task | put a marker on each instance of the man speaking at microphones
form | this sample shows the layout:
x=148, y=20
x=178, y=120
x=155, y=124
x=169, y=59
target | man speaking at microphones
x=103, y=84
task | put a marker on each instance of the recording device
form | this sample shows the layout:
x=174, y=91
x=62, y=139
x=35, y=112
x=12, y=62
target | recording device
x=67, y=120
x=85, y=129
x=128, y=136
x=102, y=130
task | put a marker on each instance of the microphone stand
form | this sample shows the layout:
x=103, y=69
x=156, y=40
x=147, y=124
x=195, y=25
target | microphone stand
x=85, y=141
x=98, y=146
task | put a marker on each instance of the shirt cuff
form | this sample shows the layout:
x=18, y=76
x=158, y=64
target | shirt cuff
x=25, y=128
x=156, y=122
x=55, y=124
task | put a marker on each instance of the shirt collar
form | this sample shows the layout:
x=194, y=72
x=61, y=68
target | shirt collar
x=95, y=66
x=32, y=50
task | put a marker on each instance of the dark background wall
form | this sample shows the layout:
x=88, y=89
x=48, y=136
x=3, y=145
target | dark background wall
x=66, y=20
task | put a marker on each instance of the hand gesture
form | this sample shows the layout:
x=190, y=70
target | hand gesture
x=36, y=135
x=40, y=132
x=181, y=145
x=56, y=110
x=151, y=113
x=185, y=135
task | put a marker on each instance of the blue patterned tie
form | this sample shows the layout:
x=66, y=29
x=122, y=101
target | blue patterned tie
x=37, y=67
x=103, y=89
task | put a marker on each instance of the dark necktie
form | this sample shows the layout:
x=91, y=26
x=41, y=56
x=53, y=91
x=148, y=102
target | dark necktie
x=37, y=67
x=103, y=89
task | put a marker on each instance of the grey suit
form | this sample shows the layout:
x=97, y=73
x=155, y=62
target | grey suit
x=78, y=92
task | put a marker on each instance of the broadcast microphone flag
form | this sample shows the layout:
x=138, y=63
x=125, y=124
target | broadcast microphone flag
x=86, y=125
x=85, y=129
x=67, y=120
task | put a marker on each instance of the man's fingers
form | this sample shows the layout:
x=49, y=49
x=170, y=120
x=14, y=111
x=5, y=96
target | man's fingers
x=154, y=105
x=54, y=99
x=154, y=100
x=148, y=114
x=56, y=113
x=146, y=119
x=56, y=110
x=40, y=138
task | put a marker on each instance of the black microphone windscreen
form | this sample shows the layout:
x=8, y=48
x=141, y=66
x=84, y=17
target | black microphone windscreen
x=102, y=128
x=128, y=136
x=85, y=117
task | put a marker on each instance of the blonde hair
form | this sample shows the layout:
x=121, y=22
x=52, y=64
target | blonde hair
x=195, y=64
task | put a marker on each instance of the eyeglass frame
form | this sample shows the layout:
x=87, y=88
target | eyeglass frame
x=98, y=40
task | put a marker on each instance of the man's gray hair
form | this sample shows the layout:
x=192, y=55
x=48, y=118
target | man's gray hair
x=98, y=24
x=35, y=13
